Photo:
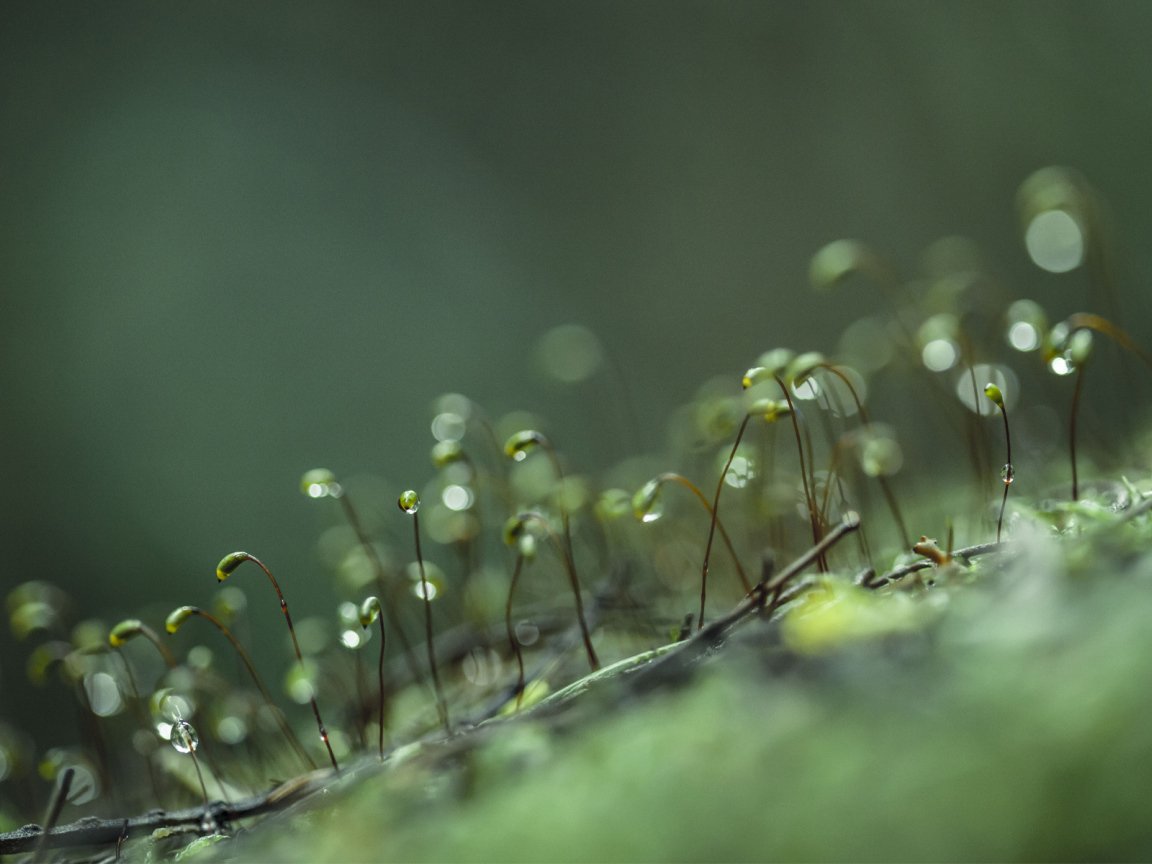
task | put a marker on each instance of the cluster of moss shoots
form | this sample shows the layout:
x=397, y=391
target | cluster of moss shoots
x=640, y=594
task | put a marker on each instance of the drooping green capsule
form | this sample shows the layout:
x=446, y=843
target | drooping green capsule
x=612, y=504
x=993, y=393
x=645, y=503
x=518, y=445
x=229, y=563
x=409, y=502
x=445, y=453
x=513, y=528
x=770, y=409
x=754, y=376
x=801, y=366
x=369, y=610
x=178, y=617
x=124, y=631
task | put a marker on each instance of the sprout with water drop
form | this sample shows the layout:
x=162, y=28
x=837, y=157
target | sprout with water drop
x=224, y=569
x=369, y=612
x=185, y=740
x=181, y=614
x=993, y=393
x=409, y=502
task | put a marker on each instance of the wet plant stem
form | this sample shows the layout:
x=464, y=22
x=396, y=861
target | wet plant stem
x=441, y=705
x=512, y=640
x=1076, y=390
x=1007, y=474
x=593, y=660
x=684, y=481
x=281, y=721
x=381, y=580
x=295, y=644
x=812, y=515
x=712, y=527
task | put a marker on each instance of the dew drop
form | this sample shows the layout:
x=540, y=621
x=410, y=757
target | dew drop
x=184, y=737
x=409, y=502
x=1008, y=473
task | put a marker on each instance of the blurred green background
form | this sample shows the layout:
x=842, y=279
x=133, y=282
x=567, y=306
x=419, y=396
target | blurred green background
x=242, y=240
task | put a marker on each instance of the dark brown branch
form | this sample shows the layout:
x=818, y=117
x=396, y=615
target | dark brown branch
x=91, y=831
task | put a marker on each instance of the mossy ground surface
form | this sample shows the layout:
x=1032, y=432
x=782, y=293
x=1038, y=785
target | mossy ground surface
x=1009, y=723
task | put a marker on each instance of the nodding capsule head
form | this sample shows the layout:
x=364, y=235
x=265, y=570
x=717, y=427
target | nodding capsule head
x=444, y=453
x=369, y=611
x=754, y=376
x=229, y=563
x=124, y=631
x=993, y=393
x=178, y=617
x=645, y=499
x=409, y=502
x=802, y=365
x=771, y=409
x=518, y=445
x=513, y=529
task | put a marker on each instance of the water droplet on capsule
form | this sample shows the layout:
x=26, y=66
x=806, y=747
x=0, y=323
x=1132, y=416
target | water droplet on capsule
x=409, y=502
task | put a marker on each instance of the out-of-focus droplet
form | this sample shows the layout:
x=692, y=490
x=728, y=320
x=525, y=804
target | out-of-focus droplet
x=940, y=355
x=103, y=694
x=433, y=576
x=300, y=682
x=526, y=546
x=318, y=483
x=1055, y=241
x=200, y=657
x=867, y=344
x=569, y=353
x=526, y=632
x=231, y=729
x=409, y=502
x=457, y=497
x=1024, y=336
x=350, y=639
x=184, y=737
x=448, y=426
x=740, y=472
x=881, y=456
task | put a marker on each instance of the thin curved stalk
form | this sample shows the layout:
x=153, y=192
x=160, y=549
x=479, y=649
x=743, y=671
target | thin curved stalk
x=889, y=497
x=803, y=473
x=593, y=660
x=229, y=564
x=441, y=705
x=712, y=527
x=684, y=481
x=512, y=640
x=281, y=721
x=378, y=569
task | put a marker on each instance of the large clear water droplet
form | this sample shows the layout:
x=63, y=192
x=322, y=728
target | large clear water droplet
x=184, y=737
